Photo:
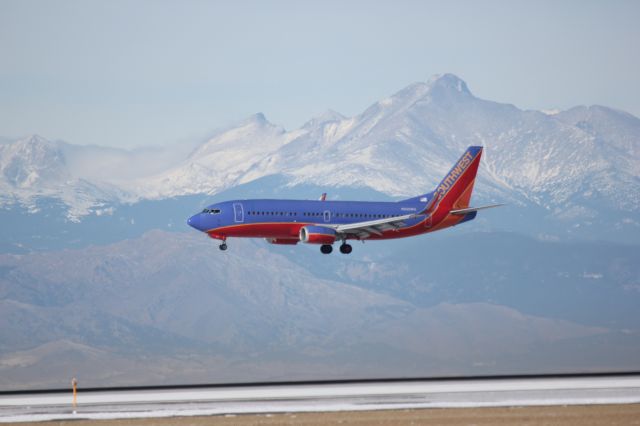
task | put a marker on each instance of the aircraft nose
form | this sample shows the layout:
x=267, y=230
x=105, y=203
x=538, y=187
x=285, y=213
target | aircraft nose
x=195, y=221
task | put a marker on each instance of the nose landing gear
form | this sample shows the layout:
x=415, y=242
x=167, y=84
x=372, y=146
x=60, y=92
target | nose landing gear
x=223, y=246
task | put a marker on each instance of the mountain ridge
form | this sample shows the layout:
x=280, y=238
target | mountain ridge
x=168, y=295
x=579, y=165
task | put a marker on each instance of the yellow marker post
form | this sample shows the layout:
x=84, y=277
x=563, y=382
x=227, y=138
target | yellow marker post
x=74, y=384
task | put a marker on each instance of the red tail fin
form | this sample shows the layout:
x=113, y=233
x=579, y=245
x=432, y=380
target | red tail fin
x=454, y=192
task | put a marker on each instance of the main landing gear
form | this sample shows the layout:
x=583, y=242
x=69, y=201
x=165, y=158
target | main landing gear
x=223, y=246
x=328, y=248
x=345, y=248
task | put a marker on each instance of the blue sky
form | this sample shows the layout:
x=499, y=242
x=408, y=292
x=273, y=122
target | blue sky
x=134, y=73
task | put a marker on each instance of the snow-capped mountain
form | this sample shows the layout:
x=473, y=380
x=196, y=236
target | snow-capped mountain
x=219, y=163
x=32, y=162
x=569, y=162
x=34, y=168
x=404, y=144
x=87, y=179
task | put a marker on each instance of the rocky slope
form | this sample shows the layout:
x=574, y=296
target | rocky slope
x=167, y=307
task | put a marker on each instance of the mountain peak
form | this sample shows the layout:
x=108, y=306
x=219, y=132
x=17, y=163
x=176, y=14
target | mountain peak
x=31, y=161
x=448, y=83
x=326, y=117
x=35, y=139
x=258, y=117
x=441, y=88
x=330, y=115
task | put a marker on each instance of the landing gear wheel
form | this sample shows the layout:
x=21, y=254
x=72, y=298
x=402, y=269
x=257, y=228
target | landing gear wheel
x=346, y=248
x=326, y=248
x=223, y=246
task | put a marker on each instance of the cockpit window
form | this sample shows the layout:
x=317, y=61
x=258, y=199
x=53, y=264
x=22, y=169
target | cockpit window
x=211, y=211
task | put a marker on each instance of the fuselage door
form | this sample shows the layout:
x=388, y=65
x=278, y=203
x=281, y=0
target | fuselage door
x=238, y=213
x=327, y=216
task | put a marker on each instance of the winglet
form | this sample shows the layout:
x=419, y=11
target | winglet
x=323, y=196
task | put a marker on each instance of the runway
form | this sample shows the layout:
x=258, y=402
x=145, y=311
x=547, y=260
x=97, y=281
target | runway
x=330, y=397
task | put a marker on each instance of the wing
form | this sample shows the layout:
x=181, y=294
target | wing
x=372, y=227
x=363, y=230
x=377, y=227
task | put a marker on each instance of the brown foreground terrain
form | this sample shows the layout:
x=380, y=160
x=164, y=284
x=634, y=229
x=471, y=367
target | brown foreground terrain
x=553, y=415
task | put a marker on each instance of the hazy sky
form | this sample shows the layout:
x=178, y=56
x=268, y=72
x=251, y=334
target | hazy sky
x=132, y=73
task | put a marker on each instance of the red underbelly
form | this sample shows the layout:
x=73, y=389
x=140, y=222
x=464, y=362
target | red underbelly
x=262, y=230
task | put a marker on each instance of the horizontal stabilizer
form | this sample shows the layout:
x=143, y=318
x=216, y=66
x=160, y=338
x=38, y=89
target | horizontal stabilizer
x=474, y=209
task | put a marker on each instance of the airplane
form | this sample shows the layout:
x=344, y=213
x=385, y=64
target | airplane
x=324, y=222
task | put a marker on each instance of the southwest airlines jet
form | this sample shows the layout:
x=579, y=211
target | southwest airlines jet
x=325, y=222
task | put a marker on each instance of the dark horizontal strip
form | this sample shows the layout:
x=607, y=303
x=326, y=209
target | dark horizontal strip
x=325, y=382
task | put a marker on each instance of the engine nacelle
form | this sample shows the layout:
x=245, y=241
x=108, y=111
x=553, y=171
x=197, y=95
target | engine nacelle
x=317, y=235
x=287, y=241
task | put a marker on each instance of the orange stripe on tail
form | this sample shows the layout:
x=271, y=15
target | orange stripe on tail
x=455, y=189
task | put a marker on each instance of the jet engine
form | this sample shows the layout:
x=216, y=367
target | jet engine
x=317, y=235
